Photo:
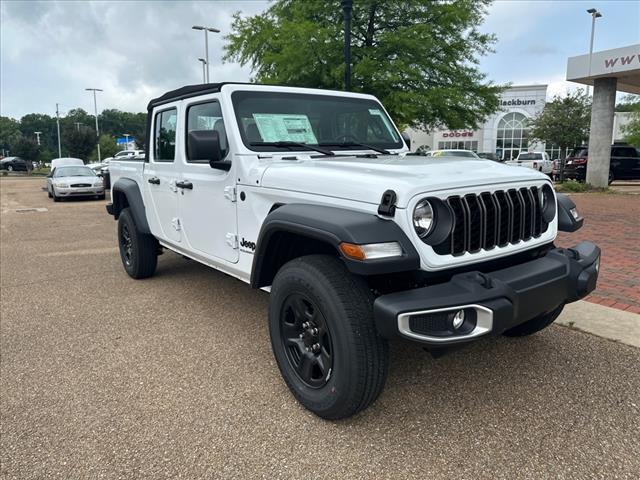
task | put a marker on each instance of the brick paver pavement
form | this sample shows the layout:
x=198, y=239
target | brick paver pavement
x=613, y=222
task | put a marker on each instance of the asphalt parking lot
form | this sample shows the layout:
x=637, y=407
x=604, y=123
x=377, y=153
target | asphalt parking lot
x=102, y=376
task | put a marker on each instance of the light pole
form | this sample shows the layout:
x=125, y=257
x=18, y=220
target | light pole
x=126, y=139
x=347, y=6
x=58, y=125
x=206, y=44
x=204, y=75
x=95, y=107
x=594, y=14
x=37, y=134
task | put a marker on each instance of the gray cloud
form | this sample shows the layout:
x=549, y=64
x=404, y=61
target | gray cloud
x=51, y=51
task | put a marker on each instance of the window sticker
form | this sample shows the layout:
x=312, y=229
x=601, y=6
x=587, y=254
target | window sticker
x=279, y=127
x=378, y=113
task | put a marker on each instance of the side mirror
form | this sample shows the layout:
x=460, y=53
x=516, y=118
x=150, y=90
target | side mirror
x=407, y=139
x=204, y=145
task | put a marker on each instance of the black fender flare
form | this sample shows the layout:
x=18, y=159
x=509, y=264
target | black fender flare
x=566, y=221
x=332, y=226
x=131, y=191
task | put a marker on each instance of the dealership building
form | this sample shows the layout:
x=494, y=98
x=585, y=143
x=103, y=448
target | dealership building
x=504, y=133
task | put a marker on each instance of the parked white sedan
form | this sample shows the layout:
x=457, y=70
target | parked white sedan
x=537, y=160
x=74, y=181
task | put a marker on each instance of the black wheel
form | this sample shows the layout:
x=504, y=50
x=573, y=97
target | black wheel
x=10, y=168
x=535, y=324
x=102, y=197
x=138, y=251
x=324, y=339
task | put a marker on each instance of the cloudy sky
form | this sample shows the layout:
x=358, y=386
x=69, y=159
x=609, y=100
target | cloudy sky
x=134, y=50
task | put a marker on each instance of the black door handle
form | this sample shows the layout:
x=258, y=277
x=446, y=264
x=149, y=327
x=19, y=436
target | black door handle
x=187, y=185
x=154, y=180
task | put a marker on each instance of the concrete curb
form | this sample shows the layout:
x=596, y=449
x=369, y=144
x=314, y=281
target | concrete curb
x=606, y=322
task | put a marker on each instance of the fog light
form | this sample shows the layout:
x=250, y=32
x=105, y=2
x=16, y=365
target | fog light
x=458, y=319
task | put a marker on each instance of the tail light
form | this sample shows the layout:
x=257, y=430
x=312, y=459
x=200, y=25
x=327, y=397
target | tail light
x=579, y=161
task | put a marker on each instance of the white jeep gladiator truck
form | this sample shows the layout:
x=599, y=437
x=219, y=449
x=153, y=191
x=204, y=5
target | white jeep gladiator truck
x=310, y=194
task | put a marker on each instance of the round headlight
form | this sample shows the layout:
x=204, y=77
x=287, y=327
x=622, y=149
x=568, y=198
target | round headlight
x=423, y=218
x=547, y=203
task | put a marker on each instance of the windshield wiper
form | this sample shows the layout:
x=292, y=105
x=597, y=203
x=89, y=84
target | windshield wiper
x=357, y=144
x=285, y=144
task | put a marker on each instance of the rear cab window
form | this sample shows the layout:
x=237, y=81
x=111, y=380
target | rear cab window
x=165, y=122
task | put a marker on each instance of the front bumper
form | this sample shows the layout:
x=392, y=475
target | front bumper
x=79, y=191
x=495, y=301
x=575, y=172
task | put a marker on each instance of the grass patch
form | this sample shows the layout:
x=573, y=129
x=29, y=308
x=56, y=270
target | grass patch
x=572, y=186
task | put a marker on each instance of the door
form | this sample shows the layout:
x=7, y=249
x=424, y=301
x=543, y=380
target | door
x=160, y=176
x=208, y=202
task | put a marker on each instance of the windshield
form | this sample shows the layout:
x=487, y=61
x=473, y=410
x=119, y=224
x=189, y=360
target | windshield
x=73, y=172
x=331, y=121
x=530, y=156
x=578, y=152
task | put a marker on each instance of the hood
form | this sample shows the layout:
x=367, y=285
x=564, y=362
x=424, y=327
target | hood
x=366, y=179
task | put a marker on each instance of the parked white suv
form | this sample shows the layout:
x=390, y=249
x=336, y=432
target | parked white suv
x=309, y=194
x=536, y=160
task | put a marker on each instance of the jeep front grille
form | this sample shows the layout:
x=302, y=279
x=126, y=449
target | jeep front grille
x=488, y=220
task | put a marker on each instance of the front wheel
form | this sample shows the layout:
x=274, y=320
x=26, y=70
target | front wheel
x=535, y=324
x=138, y=251
x=324, y=339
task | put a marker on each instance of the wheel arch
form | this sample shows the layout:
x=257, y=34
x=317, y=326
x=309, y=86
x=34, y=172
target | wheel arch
x=293, y=230
x=125, y=192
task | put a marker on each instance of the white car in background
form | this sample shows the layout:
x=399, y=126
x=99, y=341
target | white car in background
x=74, y=181
x=452, y=153
x=536, y=160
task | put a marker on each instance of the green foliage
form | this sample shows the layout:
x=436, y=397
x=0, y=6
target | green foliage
x=564, y=122
x=419, y=57
x=113, y=123
x=25, y=148
x=78, y=142
x=9, y=131
x=572, y=186
x=108, y=148
x=631, y=130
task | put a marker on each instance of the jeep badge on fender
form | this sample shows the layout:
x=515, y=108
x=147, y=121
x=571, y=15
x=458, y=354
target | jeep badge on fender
x=357, y=242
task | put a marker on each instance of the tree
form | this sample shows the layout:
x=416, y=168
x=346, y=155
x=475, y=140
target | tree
x=79, y=142
x=108, y=148
x=419, y=57
x=9, y=131
x=564, y=122
x=25, y=148
x=631, y=130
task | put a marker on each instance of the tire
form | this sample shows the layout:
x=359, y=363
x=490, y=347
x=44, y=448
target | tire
x=339, y=306
x=10, y=168
x=535, y=324
x=102, y=197
x=138, y=251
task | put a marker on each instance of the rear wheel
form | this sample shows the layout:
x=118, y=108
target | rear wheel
x=138, y=251
x=324, y=339
x=535, y=324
